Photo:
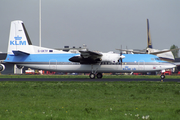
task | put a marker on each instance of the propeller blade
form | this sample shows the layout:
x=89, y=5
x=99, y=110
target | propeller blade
x=121, y=51
x=121, y=56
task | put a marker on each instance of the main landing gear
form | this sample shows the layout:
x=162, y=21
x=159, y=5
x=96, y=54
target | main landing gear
x=94, y=72
x=98, y=75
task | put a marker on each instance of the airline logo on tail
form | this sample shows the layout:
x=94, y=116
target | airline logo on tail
x=17, y=41
x=148, y=35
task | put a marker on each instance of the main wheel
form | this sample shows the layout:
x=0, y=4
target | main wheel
x=92, y=75
x=99, y=75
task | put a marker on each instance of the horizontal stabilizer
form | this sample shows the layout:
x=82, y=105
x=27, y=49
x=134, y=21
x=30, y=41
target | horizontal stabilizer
x=16, y=53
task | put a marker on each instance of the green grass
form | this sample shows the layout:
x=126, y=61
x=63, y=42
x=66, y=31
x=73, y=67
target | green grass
x=87, y=76
x=89, y=100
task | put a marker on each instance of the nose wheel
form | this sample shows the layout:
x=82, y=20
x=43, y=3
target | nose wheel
x=98, y=75
x=162, y=76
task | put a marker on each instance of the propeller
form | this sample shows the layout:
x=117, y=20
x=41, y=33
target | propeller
x=121, y=56
x=126, y=49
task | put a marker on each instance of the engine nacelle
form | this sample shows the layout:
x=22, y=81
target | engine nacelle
x=2, y=67
x=75, y=59
x=112, y=57
x=81, y=60
x=110, y=60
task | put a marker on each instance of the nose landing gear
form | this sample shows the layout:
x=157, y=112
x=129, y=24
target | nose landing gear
x=162, y=77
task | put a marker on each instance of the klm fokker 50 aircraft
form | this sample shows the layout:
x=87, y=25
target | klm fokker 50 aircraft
x=21, y=52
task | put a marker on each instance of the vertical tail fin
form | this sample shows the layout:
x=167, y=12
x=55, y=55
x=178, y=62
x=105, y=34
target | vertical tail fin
x=149, y=42
x=18, y=38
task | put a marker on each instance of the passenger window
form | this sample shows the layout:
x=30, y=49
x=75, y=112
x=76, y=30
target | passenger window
x=152, y=58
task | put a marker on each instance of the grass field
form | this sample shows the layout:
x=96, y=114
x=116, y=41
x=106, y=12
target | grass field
x=89, y=100
x=87, y=76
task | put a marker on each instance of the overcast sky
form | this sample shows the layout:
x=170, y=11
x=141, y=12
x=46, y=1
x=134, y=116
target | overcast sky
x=102, y=25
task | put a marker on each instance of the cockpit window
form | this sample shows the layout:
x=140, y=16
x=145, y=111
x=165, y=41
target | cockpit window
x=157, y=59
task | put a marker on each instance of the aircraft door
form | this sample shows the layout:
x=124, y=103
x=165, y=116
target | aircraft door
x=141, y=65
x=53, y=64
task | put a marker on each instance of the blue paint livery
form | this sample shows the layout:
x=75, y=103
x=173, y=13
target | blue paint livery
x=39, y=58
x=65, y=58
x=138, y=57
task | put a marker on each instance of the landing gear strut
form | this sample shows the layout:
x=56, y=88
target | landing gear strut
x=94, y=72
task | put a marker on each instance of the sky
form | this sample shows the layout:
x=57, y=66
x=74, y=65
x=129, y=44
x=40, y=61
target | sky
x=103, y=25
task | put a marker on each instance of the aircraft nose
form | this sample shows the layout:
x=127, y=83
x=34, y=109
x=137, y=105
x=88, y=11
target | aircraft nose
x=171, y=65
x=174, y=65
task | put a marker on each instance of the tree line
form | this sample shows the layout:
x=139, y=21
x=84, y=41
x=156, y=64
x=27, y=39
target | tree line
x=176, y=51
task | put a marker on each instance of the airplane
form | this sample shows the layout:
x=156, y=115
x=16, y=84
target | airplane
x=165, y=54
x=22, y=53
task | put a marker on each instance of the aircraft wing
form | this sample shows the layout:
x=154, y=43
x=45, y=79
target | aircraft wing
x=90, y=57
x=154, y=53
x=176, y=63
x=163, y=51
x=87, y=57
x=136, y=52
x=90, y=54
